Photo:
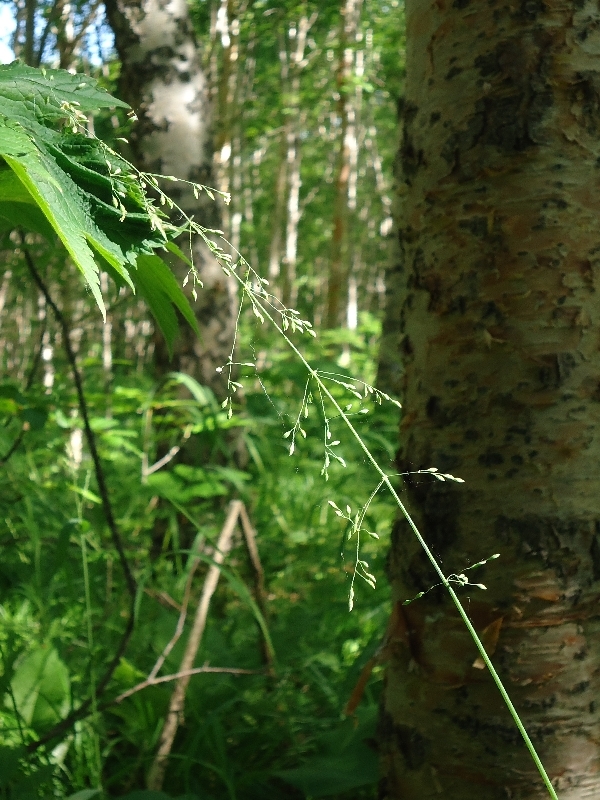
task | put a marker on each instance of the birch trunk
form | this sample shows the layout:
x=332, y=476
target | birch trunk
x=338, y=264
x=494, y=298
x=162, y=80
x=277, y=218
x=295, y=122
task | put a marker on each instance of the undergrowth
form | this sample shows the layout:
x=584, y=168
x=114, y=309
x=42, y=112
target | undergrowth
x=279, y=734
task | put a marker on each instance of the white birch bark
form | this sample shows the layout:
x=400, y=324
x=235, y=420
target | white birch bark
x=162, y=79
x=495, y=301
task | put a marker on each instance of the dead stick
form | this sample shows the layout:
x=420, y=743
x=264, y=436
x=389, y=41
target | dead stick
x=250, y=537
x=259, y=576
x=175, y=712
x=182, y=613
x=187, y=674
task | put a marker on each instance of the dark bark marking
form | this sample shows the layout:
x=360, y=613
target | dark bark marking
x=531, y=8
x=586, y=94
x=490, y=459
x=411, y=744
x=479, y=727
x=411, y=159
x=434, y=411
x=545, y=704
x=478, y=226
x=595, y=553
x=580, y=688
x=491, y=310
x=549, y=372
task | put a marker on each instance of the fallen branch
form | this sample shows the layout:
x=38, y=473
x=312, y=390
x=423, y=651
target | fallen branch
x=185, y=674
x=174, y=717
x=259, y=577
x=182, y=612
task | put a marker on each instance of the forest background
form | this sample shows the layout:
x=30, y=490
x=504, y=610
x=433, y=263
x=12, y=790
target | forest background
x=304, y=99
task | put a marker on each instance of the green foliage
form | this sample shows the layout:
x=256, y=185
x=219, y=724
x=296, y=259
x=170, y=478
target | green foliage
x=53, y=177
x=62, y=597
x=41, y=688
x=266, y=100
x=246, y=736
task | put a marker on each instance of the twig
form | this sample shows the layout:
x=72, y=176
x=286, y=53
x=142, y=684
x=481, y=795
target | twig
x=259, y=575
x=175, y=711
x=177, y=675
x=182, y=613
x=164, y=598
x=37, y=357
x=162, y=461
x=47, y=28
x=14, y=447
x=83, y=709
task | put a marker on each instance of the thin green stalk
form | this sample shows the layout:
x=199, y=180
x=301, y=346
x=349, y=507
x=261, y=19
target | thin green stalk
x=385, y=479
x=260, y=311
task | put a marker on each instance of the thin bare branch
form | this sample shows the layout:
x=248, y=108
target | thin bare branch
x=175, y=711
x=184, y=674
x=182, y=613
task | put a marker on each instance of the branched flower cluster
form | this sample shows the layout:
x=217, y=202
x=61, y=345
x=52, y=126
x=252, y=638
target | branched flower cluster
x=459, y=579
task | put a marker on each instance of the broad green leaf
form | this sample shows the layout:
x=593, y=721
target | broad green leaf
x=127, y=674
x=35, y=417
x=163, y=294
x=41, y=687
x=24, y=215
x=84, y=794
x=11, y=188
x=26, y=91
x=177, y=251
x=57, y=202
x=201, y=394
x=344, y=761
x=54, y=178
x=10, y=764
x=178, y=490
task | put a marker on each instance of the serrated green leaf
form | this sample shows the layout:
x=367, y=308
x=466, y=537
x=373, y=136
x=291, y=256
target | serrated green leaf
x=26, y=92
x=58, y=206
x=78, y=188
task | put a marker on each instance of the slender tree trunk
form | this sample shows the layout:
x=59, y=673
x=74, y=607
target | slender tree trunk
x=295, y=121
x=277, y=223
x=294, y=161
x=495, y=298
x=338, y=269
x=162, y=80
x=335, y=285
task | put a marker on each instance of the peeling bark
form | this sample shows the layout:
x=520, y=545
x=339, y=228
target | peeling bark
x=494, y=308
x=162, y=80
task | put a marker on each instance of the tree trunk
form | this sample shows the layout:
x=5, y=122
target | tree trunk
x=336, y=286
x=494, y=298
x=162, y=80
